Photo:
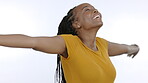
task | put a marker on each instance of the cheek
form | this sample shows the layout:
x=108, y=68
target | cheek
x=85, y=20
x=86, y=23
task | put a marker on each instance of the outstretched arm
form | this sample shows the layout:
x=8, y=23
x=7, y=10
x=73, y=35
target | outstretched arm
x=55, y=45
x=118, y=49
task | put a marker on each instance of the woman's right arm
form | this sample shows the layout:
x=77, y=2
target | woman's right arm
x=54, y=45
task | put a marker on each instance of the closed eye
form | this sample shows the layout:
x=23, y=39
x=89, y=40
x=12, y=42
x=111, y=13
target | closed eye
x=87, y=9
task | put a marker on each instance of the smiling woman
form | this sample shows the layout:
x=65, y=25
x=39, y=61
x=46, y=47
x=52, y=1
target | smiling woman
x=86, y=21
x=82, y=57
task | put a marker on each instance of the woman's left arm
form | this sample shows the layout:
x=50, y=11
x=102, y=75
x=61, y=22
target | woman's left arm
x=118, y=49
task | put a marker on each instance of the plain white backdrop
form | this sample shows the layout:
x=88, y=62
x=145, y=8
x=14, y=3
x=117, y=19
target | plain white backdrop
x=125, y=21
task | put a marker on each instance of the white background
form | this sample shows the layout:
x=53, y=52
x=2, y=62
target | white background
x=125, y=21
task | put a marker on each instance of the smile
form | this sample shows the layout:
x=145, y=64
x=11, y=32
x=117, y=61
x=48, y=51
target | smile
x=97, y=16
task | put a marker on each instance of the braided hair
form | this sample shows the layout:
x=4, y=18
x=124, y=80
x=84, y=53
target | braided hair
x=65, y=27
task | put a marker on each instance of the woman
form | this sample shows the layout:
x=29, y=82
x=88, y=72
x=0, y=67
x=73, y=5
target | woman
x=84, y=57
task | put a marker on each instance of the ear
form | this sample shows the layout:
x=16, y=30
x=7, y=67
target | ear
x=76, y=25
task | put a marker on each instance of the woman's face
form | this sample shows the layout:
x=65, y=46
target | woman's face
x=87, y=16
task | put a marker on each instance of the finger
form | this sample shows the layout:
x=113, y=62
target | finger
x=129, y=55
x=134, y=54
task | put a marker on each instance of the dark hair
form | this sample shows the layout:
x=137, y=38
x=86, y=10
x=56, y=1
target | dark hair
x=65, y=27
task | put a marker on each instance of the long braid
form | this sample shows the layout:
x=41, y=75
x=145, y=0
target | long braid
x=65, y=27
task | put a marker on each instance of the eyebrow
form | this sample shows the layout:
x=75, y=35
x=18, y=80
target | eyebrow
x=84, y=7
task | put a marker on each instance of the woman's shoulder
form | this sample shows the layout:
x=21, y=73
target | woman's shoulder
x=102, y=40
x=68, y=37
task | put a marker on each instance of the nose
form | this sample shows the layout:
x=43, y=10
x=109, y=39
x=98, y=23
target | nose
x=95, y=11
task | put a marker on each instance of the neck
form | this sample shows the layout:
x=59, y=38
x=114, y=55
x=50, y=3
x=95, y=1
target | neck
x=89, y=39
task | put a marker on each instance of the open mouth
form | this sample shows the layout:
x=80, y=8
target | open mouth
x=97, y=16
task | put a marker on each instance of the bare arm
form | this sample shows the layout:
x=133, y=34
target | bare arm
x=16, y=40
x=55, y=45
x=118, y=49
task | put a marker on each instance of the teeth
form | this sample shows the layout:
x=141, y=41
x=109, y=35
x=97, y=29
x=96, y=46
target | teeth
x=97, y=16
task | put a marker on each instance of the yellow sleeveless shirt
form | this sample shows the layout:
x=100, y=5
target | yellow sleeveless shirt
x=84, y=65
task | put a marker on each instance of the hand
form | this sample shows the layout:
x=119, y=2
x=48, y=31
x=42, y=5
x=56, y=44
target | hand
x=133, y=50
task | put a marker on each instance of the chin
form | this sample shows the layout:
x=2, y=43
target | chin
x=100, y=24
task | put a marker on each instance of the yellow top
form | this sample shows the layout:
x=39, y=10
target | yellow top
x=84, y=65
